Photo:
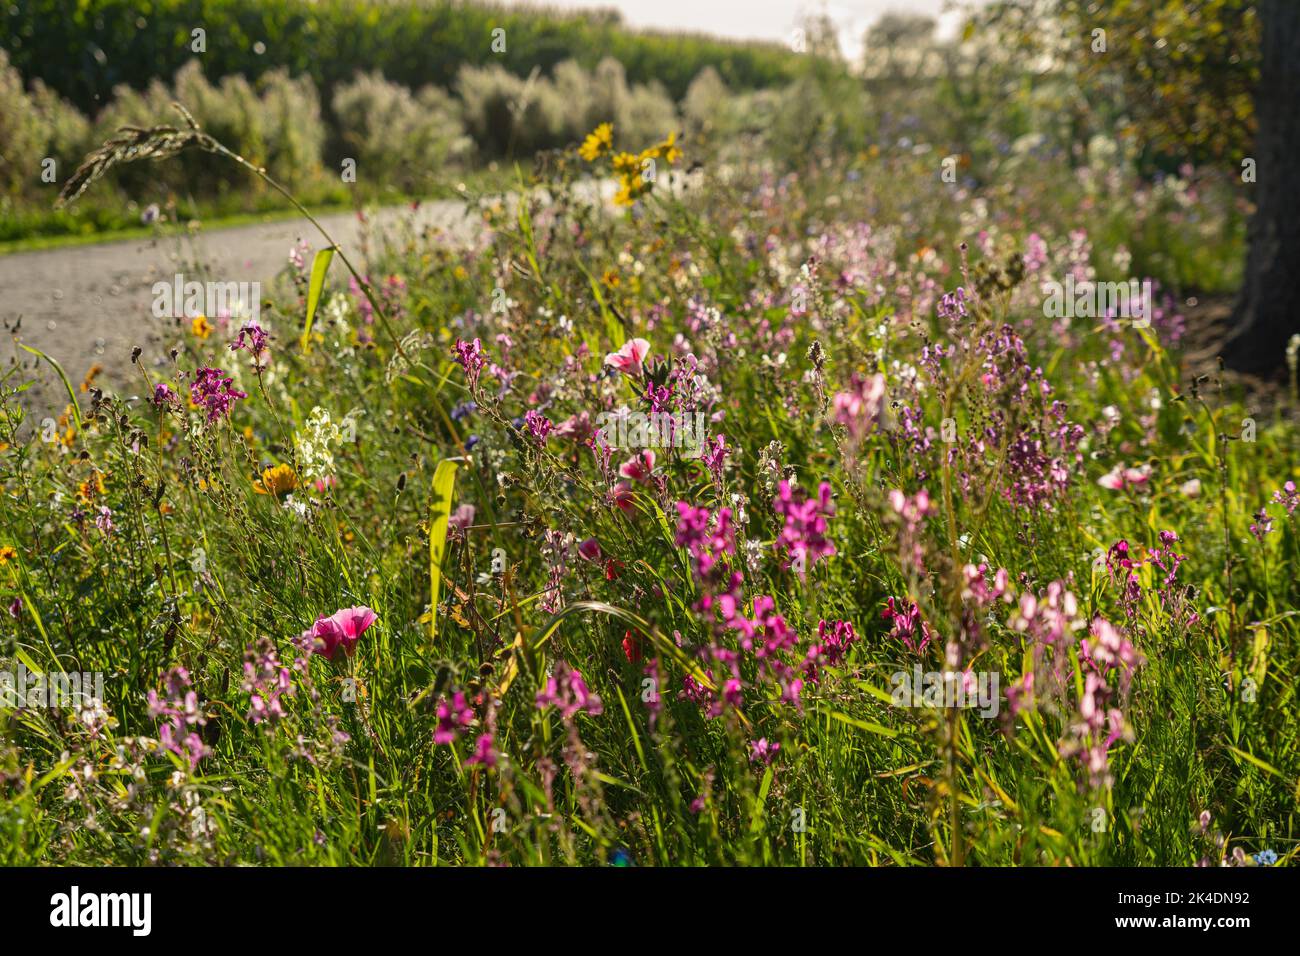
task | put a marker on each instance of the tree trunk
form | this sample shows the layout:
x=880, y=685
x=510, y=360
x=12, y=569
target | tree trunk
x=1267, y=311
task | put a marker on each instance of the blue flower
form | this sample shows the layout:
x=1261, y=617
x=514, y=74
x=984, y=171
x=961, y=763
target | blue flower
x=1265, y=857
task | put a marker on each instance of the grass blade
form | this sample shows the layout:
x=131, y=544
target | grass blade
x=320, y=265
x=63, y=376
x=444, y=481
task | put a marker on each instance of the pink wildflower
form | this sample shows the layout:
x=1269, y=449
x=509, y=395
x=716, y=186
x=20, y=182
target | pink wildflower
x=630, y=357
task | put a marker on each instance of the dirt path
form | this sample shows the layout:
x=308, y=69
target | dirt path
x=93, y=304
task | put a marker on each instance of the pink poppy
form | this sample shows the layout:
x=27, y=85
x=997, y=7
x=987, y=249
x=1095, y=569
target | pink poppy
x=628, y=359
x=590, y=550
x=1119, y=478
x=341, y=630
x=623, y=497
x=639, y=466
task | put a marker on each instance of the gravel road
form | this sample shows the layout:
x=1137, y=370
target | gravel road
x=91, y=304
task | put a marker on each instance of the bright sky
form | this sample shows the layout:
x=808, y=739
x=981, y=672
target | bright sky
x=766, y=19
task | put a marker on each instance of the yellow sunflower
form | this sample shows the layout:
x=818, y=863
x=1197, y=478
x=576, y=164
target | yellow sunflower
x=598, y=142
x=279, y=480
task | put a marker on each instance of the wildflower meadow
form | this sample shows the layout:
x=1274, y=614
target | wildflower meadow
x=693, y=507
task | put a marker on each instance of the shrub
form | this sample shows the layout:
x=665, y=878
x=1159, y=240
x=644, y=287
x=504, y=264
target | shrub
x=395, y=135
x=21, y=136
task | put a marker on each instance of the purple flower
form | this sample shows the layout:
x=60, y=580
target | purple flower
x=256, y=343
x=538, y=425
x=453, y=716
x=566, y=690
x=469, y=355
x=211, y=390
x=760, y=751
x=164, y=396
x=836, y=638
x=265, y=681
x=483, y=752
x=804, y=534
x=178, y=712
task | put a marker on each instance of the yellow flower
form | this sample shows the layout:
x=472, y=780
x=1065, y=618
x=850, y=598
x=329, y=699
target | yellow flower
x=7, y=554
x=598, y=142
x=67, y=432
x=625, y=164
x=667, y=150
x=201, y=327
x=277, y=481
x=91, y=488
x=91, y=375
x=611, y=278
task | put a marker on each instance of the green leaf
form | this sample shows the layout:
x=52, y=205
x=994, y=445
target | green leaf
x=867, y=725
x=72, y=396
x=319, y=266
x=444, y=481
x=1251, y=758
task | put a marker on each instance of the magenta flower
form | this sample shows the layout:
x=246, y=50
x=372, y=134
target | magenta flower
x=621, y=496
x=257, y=340
x=858, y=408
x=211, y=390
x=469, y=355
x=836, y=638
x=714, y=455
x=907, y=625
x=453, y=716
x=804, y=535
x=639, y=466
x=1263, y=524
x=164, y=396
x=566, y=690
x=484, y=755
x=538, y=425
x=341, y=630
x=760, y=751
x=630, y=357
x=589, y=550
x=266, y=680
x=178, y=712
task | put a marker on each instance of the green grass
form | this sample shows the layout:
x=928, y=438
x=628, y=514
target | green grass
x=40, y=227
x=201, y=567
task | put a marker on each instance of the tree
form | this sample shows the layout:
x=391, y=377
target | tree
x=1267, y=313
x=1218, y=81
